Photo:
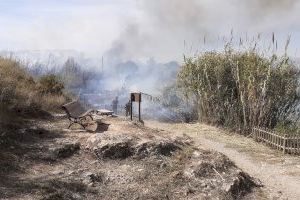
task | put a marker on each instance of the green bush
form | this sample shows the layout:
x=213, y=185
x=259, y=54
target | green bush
x=50, y=84
x=241, y=90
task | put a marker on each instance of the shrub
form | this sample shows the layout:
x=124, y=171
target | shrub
x=241, y=90
x=21, y=93
x=16, y=85
x=175, y=106
x=50, y=84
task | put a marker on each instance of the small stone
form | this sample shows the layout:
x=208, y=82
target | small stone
x=65, y=150
x=163, y=165
x=71, y=172
x=203, y=185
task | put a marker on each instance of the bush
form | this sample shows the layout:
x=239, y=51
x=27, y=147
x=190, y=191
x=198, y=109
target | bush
x=50, y=84
x=19, y=92
x=17, y=87
x=241, y=90
x=175, y=106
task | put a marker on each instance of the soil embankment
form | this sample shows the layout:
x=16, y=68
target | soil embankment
x=122, y=160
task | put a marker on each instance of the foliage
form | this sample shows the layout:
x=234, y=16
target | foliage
x=74, y=76
x=15, y=84
x=175, y=106
x=19, y=91
x=50, y=84
x=241, y=90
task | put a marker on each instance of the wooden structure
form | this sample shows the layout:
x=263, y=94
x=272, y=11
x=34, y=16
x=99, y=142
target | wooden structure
x=77, y=114
x=288, y=143
x=136, y=97
x=104, y=112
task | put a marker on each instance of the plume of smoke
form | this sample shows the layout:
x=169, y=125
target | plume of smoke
x=167, y=28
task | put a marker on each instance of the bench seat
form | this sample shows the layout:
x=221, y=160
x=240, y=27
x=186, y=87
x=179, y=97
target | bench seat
x=77, y=114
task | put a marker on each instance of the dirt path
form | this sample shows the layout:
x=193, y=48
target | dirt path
x=279, y=173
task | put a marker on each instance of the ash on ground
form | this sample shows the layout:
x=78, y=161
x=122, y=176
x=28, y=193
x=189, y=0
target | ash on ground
x=141, y=163
x=121, y=160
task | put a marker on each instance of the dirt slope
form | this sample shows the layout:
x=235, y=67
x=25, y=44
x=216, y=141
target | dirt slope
x=122, y=160
x=279, y=173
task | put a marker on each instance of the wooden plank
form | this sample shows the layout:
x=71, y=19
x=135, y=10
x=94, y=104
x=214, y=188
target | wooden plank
x=292, y=143
x=298, y=148
x=284, y=144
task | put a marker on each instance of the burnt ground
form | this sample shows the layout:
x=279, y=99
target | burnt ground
x=121, y=160
x=279, y=173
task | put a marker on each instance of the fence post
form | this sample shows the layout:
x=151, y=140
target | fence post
x=284, y=143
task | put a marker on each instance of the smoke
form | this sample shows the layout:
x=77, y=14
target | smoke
x=166, y=29
x=139, y=29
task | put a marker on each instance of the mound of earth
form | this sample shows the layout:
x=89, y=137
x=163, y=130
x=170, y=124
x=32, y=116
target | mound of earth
x=136, y=166
x=123, y=160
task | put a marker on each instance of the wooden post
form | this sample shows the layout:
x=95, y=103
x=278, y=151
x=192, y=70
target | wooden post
x=136, y=97
x=140, y=107
x=298, y=146
x=131, y=110
x=284, y=143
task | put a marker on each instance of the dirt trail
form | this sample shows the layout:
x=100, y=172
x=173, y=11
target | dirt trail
x=279, y=173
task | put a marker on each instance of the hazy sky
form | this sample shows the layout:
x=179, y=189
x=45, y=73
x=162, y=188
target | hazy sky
x=85, y=25
x=164, y=29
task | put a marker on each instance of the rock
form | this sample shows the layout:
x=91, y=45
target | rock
x=121, y=147
x=240, y=185
x=216, y=174
x=90, y=178
x=115, y=150
x=210, y=163
x=64, y=150
x=71, y=172
x=190, y=191
x=57, y=172
x=203, y=169
x=165, y=148
x=163, y=165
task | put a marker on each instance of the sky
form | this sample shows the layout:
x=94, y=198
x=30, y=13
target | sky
x=133, y=29
x=84, y=25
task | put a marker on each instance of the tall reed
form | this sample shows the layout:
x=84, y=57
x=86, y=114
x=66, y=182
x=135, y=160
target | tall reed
x=242, y=89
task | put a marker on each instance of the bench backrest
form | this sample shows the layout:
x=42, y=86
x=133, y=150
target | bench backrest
x=74, y=109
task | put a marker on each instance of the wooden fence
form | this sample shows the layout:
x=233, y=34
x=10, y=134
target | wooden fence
x=288, y=143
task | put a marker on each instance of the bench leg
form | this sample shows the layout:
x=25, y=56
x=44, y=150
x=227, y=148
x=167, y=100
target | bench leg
x=70, y=125
x=76, y=123
x=91, y=117
x=82, y=125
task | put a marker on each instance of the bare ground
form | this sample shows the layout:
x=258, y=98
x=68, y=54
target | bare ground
x=122, y=160
x=279, y=173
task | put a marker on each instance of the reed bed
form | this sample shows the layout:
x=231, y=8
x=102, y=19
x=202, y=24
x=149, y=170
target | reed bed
x=242, y=89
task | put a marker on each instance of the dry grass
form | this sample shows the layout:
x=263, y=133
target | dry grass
x=52, y=102
x=20, y=92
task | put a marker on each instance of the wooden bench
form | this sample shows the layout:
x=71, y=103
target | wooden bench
x=77, y=114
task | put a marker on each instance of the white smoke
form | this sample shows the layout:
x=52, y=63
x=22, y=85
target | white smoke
x=166, y=29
